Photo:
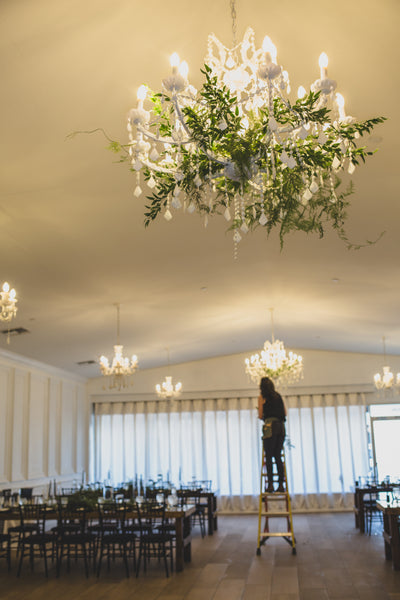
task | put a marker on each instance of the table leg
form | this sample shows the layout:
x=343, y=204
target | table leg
x=210, y=519
x=394, y=541
x=183, y=549
x=361, y=515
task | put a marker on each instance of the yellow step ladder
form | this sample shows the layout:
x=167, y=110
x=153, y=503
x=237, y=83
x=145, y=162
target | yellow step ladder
x=274, y=505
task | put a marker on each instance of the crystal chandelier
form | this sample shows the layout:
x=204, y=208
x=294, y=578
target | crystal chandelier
x=121, y=367
x=386, y=381
x=8, y=301
x=167, y=390
x=241, y=146
x=273, y=362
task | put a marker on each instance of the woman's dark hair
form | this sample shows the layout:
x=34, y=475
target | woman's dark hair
x=267, y=388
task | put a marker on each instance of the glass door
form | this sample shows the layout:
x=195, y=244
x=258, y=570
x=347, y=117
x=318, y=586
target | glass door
x=385, y=433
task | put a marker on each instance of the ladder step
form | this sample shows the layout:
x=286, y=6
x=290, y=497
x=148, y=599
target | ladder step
x=277, y=534
x=275, y=514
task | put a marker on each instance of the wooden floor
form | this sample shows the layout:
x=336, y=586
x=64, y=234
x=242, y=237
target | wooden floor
x=333, y=561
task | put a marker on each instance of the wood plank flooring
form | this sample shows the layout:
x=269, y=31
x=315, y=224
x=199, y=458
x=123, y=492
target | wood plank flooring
x=333, y=561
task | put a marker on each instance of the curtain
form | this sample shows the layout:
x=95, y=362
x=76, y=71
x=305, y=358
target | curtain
x=220, y=440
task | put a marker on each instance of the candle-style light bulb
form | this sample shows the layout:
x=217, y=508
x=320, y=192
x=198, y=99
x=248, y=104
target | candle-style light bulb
x=184, y=69
x=174, y=62
x=340, y=105
x=141, y=95
x=323, y=65
x=6, y=287
x=269, y=48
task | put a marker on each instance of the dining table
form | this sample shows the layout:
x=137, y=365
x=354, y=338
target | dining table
x=211, y=504
x=359, y=494
x=391, y=534
x=180, y=515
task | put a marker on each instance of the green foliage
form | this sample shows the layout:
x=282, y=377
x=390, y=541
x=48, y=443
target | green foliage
x=241, y=168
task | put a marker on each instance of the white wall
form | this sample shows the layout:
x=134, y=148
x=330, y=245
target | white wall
x=324, y=371
x=43, y=424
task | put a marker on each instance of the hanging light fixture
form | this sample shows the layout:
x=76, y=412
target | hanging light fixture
x=8, y=301
x=386, y=381
x=121, y=368
x=241, y=146
x=166, y=389
x=273, y=362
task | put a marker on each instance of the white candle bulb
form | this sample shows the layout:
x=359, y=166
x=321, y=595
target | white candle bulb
x=301, y=92
x=184, y=69
x=323, y=65
x=6, y=287
x=269, y=48
x=174, y=62
x=141, y=95
x=340, y=105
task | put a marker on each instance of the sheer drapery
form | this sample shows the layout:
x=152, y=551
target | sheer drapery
x=220, y=440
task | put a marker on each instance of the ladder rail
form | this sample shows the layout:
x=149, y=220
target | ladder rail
x=267, y=498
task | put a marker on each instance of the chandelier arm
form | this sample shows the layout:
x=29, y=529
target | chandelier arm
x=156, y=168
x=180, y=116
x=163, y=140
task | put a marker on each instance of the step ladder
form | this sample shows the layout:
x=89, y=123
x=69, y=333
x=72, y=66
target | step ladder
x=274, y=505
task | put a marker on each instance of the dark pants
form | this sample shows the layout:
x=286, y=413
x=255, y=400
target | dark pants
x=272, y=449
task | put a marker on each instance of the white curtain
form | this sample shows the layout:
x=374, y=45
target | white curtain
x=220, y=440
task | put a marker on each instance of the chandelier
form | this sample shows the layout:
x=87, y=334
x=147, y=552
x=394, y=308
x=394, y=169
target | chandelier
x=386, y=380
x=121, y=367
x=167, y=390
x=242, y=146
x=8, y=301
x=273, y=362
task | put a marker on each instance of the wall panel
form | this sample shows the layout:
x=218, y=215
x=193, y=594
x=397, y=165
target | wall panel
x=43, y=425
x=54, y=428
x=4, y=426
x=20, y=420
x=37, y=427
x=68, y=428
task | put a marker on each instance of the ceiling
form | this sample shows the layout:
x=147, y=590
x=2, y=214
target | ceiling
x=72, y=240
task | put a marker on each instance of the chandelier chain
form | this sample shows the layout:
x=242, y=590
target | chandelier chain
x=233, y=15
x=272, y=324
x=118, y=322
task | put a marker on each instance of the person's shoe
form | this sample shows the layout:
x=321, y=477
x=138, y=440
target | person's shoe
x=270, y=489
x=280, y=488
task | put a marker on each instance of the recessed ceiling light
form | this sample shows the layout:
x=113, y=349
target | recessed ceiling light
x=204, y=288
x=335, y=280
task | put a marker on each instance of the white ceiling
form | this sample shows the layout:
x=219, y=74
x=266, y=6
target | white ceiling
x=72, y=239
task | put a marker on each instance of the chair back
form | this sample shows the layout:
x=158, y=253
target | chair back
x=151, y=516
x=26, y=493
x=33, y=514
x=71, y=520
x=111, y=516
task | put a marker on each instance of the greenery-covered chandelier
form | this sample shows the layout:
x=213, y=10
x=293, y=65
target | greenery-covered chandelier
x=241, y=147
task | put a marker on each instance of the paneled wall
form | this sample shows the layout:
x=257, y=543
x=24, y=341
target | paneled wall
x=43, y=424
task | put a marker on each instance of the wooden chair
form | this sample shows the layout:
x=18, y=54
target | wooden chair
x=113, y=535
x=155, y=539
x=5, y=545
x=73, y=540
x=35, y=542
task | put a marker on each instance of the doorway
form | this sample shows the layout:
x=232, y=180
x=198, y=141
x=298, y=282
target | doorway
x=385, y=437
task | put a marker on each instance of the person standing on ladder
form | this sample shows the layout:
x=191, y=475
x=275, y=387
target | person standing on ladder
x=272, y=410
